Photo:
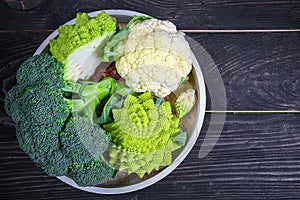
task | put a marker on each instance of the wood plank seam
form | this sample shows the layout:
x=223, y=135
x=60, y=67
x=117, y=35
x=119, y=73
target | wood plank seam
x=185, y=31
x=252, y=112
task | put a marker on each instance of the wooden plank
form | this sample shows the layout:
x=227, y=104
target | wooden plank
x=256, y=157
x=14, y=49
x=260, y=71
x=186, y=14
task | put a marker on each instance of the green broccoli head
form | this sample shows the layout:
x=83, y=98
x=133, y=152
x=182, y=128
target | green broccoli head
x=37, y=104
x=40, y=69
x=92, y=173
x=13, y=103
x=83, y=140
x=54, y=163
x=38, y=107
x=43, y=114
x=77, y=45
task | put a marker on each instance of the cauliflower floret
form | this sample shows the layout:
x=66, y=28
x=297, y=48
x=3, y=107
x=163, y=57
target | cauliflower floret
x=155, y=50
x=185, y=102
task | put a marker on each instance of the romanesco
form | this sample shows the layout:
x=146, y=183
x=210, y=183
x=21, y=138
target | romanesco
x=142, y=130
x=77, y=45
x=141, y=163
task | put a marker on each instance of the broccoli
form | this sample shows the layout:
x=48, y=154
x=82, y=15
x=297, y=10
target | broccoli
x=90, y=173
x=83, y=140
x=46, y=110
x=12, y=103
x=40, y=69
x=77, y=45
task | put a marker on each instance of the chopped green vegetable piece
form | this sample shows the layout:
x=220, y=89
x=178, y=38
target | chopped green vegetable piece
x=77, y=45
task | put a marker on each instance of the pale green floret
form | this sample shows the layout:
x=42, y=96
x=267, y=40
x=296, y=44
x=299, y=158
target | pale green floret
x=142, y=163
x=142, y=133
x=77, y=45
x=140, y=117
x=185, y=102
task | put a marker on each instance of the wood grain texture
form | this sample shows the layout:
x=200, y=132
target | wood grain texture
x=256, y=157
x=186, y=14
x=260, y=71
x=14, y=49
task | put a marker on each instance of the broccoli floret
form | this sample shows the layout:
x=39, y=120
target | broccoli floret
x=40, y=124
x=54, y=163
x=38, y=107
x=77, y=45
x=40, y=69
x=12, y=104
x=48, y=127
x=92, y=173
x=84, y=140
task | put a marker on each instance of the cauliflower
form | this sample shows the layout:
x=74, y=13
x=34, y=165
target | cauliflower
x=185, y=102
x=153, y=57
x=77, y=45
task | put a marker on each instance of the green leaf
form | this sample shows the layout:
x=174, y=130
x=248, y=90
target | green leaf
x=109, y=55
x=123, y=90
x=115, y=101
x=158, y=101
x=90, y=94
x=180, y=138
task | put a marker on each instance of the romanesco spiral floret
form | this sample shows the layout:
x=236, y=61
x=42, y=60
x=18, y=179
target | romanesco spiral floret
x=142, y=130
x=141, y=163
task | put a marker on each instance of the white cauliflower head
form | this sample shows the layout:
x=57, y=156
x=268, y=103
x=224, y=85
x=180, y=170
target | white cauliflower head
x=154, y=57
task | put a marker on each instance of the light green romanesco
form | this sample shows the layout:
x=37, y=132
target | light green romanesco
x=185, y=102
x=77, y=45
x=142, y=134
x=153, y=57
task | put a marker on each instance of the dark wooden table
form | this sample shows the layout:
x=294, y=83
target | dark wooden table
x=256, y=47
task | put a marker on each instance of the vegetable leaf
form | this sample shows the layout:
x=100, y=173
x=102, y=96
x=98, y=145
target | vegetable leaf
x=109, y=54
x=158, y=101
x=115, y=101
x=180, y=138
